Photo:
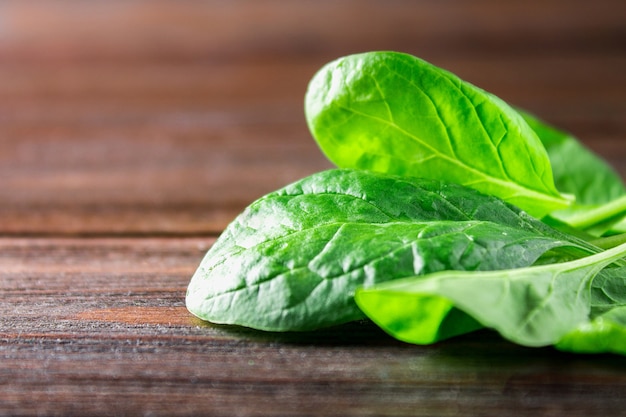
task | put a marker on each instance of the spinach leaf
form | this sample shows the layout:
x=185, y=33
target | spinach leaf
x=293, y=259
x=608, y=290
x=599, y=190
x=605, y=331
x=394, y=113
x=532, y=306
x=409, y=239
x=576, y=169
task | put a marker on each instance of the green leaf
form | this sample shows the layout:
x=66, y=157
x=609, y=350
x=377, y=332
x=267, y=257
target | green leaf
x=576, y=169
x=605, y=333
x=394, y=113
x=532, y=306
x=608, y=290
x=293, y=259
x=605, y=330
x=599, y=191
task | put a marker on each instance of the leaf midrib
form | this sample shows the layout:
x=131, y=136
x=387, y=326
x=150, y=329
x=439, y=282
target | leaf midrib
x=519, y=189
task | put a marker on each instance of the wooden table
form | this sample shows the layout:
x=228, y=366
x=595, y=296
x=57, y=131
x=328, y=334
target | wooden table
x=132, y=132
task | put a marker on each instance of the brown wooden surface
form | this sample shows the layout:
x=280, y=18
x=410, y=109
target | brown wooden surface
x=132, y=132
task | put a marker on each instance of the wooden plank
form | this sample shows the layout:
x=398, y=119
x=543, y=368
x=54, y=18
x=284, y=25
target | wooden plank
x=128, y=181
x=97, y=327
x=247, y=29
x=169, y=118
x=207, y=375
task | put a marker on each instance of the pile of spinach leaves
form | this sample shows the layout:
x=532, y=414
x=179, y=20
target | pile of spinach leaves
x=449, y=211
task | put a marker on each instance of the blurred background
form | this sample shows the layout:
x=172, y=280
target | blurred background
x=169, y=117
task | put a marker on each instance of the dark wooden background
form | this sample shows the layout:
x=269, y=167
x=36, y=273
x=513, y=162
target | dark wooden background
x=132, y=132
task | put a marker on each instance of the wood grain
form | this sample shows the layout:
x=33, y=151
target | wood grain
x=132, y=132
x=160, y=117
x=97, y=327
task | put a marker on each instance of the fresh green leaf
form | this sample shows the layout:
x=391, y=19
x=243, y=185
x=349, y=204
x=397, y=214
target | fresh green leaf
x=605, y=331
x=533, y=306
x=293, y=259
x=428, y=258
x=576, y=169
x=394, y=113
x=599, y=191
x=608, y=290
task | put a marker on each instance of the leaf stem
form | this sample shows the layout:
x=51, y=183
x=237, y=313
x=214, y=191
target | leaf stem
x=606, y=257
x=606, y=211
x=609, y=241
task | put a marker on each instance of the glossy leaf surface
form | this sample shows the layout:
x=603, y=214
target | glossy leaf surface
x=598, y=189
x=294, y=258
x=394, y=113
x=533, y=306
